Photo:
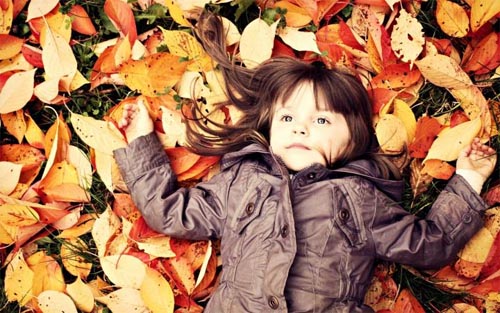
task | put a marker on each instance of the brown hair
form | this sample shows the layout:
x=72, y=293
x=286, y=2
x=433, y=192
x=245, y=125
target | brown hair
x=255, y=91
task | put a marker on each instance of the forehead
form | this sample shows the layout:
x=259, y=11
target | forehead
x=303, y=96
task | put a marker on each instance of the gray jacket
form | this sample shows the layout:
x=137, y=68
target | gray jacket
x=301, y=244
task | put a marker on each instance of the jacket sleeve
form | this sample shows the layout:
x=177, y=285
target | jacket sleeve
x=194, y=213
x=453, y=219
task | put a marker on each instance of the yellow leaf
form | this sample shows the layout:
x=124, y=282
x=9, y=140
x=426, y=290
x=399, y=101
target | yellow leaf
x=8, y=234
x=477, y=248
x=157, y=293
x=38, y=8
x=72, y=258
x=124, y=300
x=407, y=38
x=17, y=63
x=57, y=56
x=184, y=45
x=10, y=46
x=296, y=16
x=443, y=71
x=391, y=134
x=7, y=16
x=154, y=75
x=81, y=163
x=452, y=18
x=257, y=41
x=15, y=124
x=17, y=91
x=10, y=173
x=482, y=11
x=53, y=301
x=18, y=215
x=78, y=81
x=34, y=134
x=47, y=273
x=124, y=270
x=18, y=279
x=82, y=226
x=403, y=111
x=176, y=13
x=157, y=246
x=48, y=90
x=81, y=294
x=56, y=144
x=105, y=226
x=63, y=176
x=451, y=141
x=100, y=135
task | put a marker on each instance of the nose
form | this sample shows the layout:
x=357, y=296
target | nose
x=299, y=129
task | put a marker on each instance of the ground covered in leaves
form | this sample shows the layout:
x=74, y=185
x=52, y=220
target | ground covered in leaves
x=70, y=237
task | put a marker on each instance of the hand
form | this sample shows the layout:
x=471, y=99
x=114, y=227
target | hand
x=135, y=121
x=477, y=157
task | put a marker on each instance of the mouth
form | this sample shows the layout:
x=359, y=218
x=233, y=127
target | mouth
x=298, y=146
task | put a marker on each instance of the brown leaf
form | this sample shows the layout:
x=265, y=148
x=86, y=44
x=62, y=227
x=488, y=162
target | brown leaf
x=419, y=181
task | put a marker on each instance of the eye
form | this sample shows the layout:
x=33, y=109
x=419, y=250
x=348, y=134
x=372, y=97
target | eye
x=286, y=118
x=322, y=120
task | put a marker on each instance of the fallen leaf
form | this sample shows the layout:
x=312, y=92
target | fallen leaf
x=105, y=227
x=18, y=279
x=419, y=181
x=47, y=274
x=38, y=8
x=17, y=91
x=443, y=71
x=482, y=54
x=80, y=20
x=124, y=270
x=438, y=169
x=81, y=294
x=406, y=302
x=256, y=43
x=10, y=46
x=482, y=11
x=124, y=300
x=299, y=40
x=157, y=293
x=10, y=173
x=407, y=37
x=451, y=141
x=452, y=18
x=391, y=134
x=121, y=15
x=296, y=16
x=53, y=301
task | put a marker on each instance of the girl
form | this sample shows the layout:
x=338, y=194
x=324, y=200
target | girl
x=303, y=205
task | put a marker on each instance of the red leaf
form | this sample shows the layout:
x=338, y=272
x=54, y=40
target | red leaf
x=395, y=76
x=122, y=17
x=492, y=196
x=81, y=21
x=32, y=55
x=181, y=159
x=179, y=246
x=458, y=117
x=140, y=230
x=280, y=49
x=124, y=206
x=381, y=96
x=427, y=130
x=492, y=263
x=407, y=303
x=347, y=36
x=487, y=286
x=201, y=166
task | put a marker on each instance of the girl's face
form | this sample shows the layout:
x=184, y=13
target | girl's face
x=301, y=134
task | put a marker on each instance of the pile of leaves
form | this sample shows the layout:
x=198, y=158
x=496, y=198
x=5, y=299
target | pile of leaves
x=72, y=240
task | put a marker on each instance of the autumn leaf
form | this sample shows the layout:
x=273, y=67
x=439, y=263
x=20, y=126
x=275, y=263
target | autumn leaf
x=39, y=8
x=407, y=37
x=124, y=300
x=81, y=294
x=18, y=279
x=17, y=91
x=10, y=46
x=52, y=301
x=482, y=11
x=10, y=173
x=406, y=302
x=124, y=270
x=296, y=16
x=256, y=43
x=122, y=17
x=154, y=75
x=80, y=20
x=482, y=55
x=452, y=18
x=156, y=292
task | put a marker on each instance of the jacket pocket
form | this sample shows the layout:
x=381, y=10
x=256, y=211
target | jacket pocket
x=347, y=219
x=250, y=206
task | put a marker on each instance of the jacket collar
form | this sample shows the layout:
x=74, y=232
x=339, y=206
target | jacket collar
x=362, y=168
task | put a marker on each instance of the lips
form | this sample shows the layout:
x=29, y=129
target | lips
x=298, y=146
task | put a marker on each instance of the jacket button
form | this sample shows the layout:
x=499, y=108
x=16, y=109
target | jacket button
x=284, y=231
x=273, y=302
x=467, y=218
x=250, y=208
x=344, y=215
x=311, y=175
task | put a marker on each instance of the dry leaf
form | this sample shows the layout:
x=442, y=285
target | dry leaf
x=124, y=300
x=406, y=302
x=18, y=215
x=296, y=16
x=299, y=40
x=81, y=294
x=18, y=279
x=80, y=21
x=407, y=38
x=105, y=227
x=438, y=169
x=17, y=91
x=124, y=270
x=47, y=274
x=74, y=261
x=419, y=181
x=53, y=301
x=391, y=134
x=256, y=43
x=121, y=15
x=157, y=293
x=482, y=11
x=10, y=173
x=38, y=8
x=10, y=46
x=452, y=18
x=451, y=141
x=443, y=71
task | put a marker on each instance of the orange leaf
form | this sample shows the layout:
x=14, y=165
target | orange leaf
x=452, y=18
x=18, y=279
x=181, y=273
x=427, y=130
x=122, y=17
x=396, y=76
x=153, y=75
x=18, y=6
x=124, y=206
x=492, y=196
x=203, y=164
x=295, y=15
x=34, y=135
x=438, y=169
x=62, y=184
x=482, y=11
x=6, y=16
x=140, y=230
x=181, y=159
x=32, y=55
x=407, y=303
x=380, y=97
x=316, y=8
x=30, y=157
x=482, y=54
x=492, y=263
x=9, y=46
x=15, y=124
x=81, y=21
x=57, y=140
